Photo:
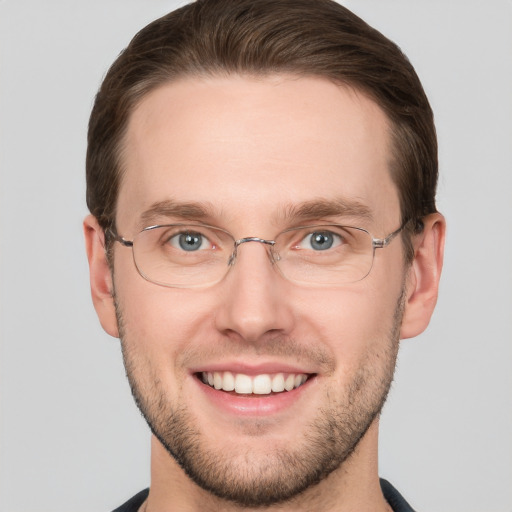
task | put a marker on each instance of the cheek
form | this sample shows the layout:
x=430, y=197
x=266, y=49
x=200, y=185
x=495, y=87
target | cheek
x=353, y=322
x=159, y=323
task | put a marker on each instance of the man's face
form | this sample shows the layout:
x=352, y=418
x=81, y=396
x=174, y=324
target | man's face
x=251, y=152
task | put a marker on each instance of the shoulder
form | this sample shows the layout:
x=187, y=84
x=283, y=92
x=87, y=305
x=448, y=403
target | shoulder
x=394, y=498
x=133, y=504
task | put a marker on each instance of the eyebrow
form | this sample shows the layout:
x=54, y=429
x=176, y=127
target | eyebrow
x=321, y=208
x=177, y=210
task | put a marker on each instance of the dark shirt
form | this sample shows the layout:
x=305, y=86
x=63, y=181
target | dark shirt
x=393, y=497
x=133, y=504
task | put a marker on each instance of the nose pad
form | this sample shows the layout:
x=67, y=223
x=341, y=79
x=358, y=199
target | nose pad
x=233, y=256
x=274, y=255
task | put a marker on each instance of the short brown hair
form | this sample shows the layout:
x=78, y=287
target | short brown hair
x=262, y=37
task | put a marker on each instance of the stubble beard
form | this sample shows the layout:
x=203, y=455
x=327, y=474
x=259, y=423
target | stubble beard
x=250, y=478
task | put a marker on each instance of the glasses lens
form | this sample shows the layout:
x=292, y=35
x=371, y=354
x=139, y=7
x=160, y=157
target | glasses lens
x=182, y=255
x=324, y=255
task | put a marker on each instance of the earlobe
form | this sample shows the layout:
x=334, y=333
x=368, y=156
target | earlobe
x=423, y=277
x=100, y=275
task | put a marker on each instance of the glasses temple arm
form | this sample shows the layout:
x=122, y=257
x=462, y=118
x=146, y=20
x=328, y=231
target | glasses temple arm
x=380, y=243
x=116, y=238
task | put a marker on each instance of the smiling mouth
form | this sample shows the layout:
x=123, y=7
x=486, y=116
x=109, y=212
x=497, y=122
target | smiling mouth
x=262, y=384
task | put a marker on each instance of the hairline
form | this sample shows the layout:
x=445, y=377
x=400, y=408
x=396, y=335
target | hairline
x=148, y=87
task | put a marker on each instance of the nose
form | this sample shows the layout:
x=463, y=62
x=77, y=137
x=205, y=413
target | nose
x=255, y=301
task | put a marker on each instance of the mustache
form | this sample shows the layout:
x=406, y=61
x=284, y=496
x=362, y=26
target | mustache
x=270, y=346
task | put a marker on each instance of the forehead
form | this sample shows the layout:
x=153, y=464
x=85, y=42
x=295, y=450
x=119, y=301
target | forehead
x=254, y=148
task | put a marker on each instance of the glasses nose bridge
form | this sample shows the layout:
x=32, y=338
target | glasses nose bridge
x=241, y=241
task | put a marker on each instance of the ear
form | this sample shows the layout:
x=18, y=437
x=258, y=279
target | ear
x=100, y=275
x=423, y=276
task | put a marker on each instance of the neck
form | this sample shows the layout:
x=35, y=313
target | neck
x=354, y=486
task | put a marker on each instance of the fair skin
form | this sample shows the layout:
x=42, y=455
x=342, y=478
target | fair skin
x=254, y=151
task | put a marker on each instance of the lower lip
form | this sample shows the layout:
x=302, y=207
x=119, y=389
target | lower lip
x=254, y=405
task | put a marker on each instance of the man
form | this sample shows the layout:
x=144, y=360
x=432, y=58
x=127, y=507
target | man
x=261, y=178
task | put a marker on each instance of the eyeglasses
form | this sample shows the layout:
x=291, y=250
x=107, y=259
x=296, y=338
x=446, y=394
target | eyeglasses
x=195, y=255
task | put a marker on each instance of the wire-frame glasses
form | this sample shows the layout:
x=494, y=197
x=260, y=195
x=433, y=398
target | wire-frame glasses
x=195, y=255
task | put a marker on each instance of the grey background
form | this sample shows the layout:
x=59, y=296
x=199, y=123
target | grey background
x=70, y=437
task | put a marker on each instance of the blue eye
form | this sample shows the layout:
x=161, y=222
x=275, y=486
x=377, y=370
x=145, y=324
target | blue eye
x=188, y=241
x=321, y=241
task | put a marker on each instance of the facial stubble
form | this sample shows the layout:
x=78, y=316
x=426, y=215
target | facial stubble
x=258, y=479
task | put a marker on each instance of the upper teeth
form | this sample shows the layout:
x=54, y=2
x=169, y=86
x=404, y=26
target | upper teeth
x=262, y=384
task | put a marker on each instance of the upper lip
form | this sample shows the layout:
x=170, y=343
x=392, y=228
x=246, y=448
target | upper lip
x=252, y=369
